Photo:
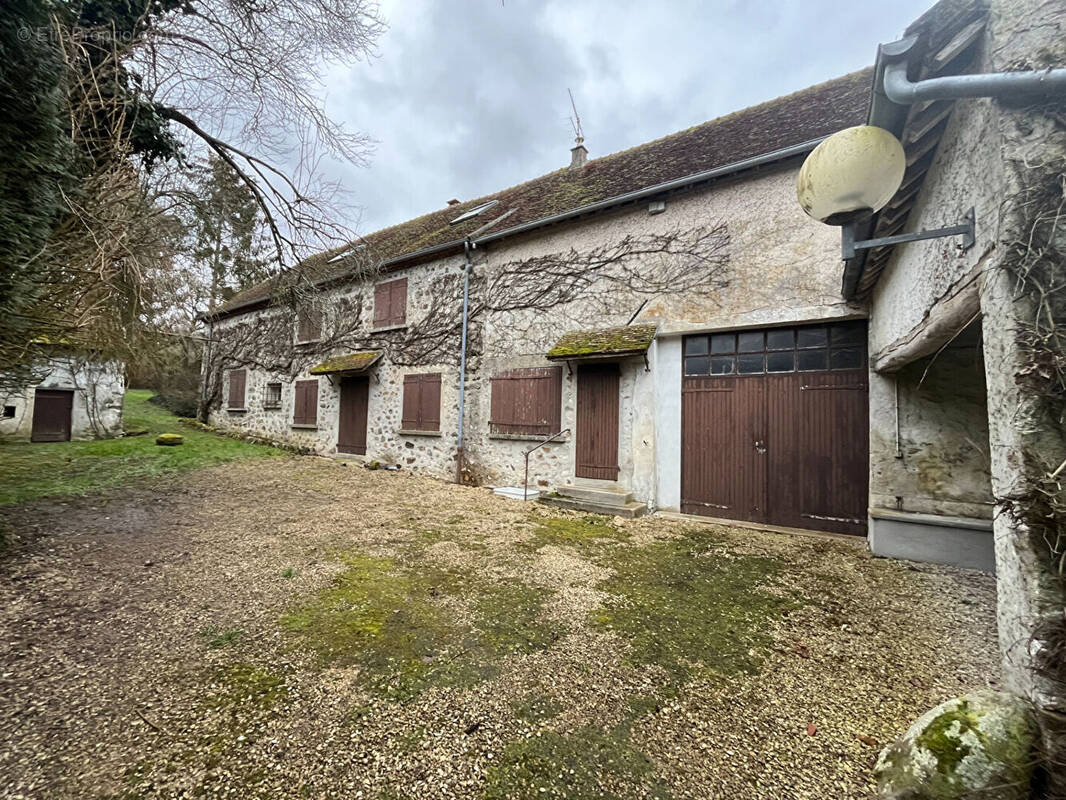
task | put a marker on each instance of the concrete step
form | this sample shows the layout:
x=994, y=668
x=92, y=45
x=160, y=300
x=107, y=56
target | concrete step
x=600, y=496
x=630, y=509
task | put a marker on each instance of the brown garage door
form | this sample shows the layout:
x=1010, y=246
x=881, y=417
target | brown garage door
x=775, y=426
x=51, y=415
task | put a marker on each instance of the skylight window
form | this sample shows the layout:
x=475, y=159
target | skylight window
x=345, y=253
x=475, y=211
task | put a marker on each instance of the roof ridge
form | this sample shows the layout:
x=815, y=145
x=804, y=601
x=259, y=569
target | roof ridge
x=766, y=127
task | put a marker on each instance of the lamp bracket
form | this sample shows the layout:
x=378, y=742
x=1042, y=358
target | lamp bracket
x=966, y=229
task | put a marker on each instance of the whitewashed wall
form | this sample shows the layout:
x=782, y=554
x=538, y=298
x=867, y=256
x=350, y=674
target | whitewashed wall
x=98, y=386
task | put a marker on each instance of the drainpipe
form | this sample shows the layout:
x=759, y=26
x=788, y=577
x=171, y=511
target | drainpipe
x=467, y=247
x=900, y=90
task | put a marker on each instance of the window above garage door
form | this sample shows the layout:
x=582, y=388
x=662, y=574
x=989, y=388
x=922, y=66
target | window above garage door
x=804, y=348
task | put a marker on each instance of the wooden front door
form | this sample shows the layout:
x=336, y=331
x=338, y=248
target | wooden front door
x=597, y=422
x=51, y=415
x=774, y=426
x=355, y=400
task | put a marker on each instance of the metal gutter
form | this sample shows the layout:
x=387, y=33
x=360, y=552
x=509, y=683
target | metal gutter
x=629, y=197
x=678, y=183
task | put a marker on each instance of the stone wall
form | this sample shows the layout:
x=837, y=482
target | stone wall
x=98, y=386
x=782, y=268
x=942, y=462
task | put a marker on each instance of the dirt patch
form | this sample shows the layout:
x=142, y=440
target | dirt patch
x=296, y=628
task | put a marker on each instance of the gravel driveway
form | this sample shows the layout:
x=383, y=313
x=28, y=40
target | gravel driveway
x=294, y=627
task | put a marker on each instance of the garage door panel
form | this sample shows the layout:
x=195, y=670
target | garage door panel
x=787, y=446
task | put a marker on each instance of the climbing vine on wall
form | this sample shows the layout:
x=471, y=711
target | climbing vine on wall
x=603, y=281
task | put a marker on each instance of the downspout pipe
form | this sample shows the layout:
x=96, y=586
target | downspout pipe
x=899, y=89
x=467, y=247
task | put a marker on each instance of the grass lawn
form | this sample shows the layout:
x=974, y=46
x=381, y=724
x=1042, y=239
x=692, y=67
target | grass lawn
x=49, y=469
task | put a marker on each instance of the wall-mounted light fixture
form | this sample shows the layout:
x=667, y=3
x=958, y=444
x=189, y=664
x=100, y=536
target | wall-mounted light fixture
x=854, y=174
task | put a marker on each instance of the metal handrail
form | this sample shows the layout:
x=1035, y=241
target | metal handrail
x=525, y=480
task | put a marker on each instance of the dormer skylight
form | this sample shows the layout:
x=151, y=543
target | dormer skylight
x=345, y=253
x=475, y=211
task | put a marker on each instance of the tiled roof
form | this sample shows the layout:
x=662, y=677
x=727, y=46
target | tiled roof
x=353, y=362
x=796, y=118
x=624, y=340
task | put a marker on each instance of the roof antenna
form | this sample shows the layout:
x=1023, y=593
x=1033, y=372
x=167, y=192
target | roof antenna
x=578, y=153
x=575, y=120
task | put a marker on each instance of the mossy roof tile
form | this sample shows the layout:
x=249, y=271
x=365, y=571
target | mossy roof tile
x=799, y=117
x=624, y=340
x=353, y=362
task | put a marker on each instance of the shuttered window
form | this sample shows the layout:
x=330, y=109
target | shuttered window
x=527, y=401
x=305, y=403
x=308, y=324
x=390, y=304
x=237, y=378
x=421, y=402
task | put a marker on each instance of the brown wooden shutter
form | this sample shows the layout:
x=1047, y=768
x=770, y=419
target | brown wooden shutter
x=527, y=401
x=382, y=300
x=305, y=405
x=236, y=388
x=398, y=314
x=390, y=303
x=429, y=414
x=421, y=402
x=309, y=324
x=412, y=385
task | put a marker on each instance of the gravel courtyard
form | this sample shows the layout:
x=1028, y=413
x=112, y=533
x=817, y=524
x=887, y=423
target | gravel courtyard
x=294, y=627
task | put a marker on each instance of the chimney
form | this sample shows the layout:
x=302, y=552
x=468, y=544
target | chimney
x=453, y=202
x=579, y=154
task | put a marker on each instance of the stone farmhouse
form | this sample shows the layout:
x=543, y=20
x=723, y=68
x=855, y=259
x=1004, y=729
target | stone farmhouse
x=686, y=337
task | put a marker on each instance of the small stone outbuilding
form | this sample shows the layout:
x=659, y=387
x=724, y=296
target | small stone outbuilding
x=66, y=396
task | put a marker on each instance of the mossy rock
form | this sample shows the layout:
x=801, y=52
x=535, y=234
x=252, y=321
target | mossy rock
x=134, y=430
x=979, y=745
x=169, y=439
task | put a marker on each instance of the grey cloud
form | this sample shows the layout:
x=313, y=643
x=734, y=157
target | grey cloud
x=470, y=97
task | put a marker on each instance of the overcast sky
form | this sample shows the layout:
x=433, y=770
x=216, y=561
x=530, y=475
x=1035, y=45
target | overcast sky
x=469, y=96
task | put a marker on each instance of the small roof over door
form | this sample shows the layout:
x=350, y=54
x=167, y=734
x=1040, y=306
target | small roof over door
x=625, y=340
x=352, y=364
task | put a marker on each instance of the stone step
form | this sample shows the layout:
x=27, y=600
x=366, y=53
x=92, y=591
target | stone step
x=630, y=510
x=604, y=497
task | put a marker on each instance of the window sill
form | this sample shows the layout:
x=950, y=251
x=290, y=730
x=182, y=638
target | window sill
x=416, y=432
x=272, y=408
x=388, y=328
x=236, y=410
x=530, y=437
x=304, y=427
x=308, y=341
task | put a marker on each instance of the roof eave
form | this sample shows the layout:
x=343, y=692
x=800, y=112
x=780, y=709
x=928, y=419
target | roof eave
x=601, y=206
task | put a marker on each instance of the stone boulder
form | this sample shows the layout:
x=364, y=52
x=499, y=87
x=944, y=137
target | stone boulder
x=981, y=745
x=169, y=439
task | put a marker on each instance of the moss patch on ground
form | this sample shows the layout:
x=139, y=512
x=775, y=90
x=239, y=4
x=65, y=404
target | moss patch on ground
x=585, y=763
x=579, y=532
x=31, y=470
x=688, y=603
x=391, y=620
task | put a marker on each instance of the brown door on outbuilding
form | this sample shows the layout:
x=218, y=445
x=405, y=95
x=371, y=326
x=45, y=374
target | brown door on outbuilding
x=51, y=415
x=355, y=400
x=597, y=422
x=775, y=426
